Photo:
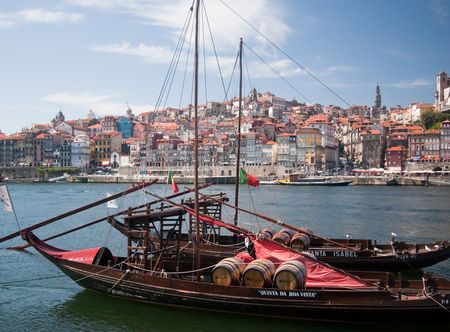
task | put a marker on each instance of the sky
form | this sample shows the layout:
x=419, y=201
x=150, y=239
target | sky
x=81, y=55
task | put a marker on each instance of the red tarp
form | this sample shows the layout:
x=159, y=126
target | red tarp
x=319, y=274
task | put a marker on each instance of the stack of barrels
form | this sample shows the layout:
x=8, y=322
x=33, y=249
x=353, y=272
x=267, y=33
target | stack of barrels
x=260, y=273
x=288, y=238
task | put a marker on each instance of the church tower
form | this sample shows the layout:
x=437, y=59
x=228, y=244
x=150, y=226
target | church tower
x=378, y=98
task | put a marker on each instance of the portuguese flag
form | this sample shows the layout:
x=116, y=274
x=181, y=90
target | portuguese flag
x=246, y=178
x=171, y=180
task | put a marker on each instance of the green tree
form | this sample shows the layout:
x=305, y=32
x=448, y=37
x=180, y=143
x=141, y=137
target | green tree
x=429, y=119
x=443, y=117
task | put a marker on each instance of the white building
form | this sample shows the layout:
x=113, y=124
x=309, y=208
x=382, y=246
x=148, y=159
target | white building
x=80, y=152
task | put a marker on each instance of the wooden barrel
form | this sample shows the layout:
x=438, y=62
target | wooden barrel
x=228, y=271
x=258, y=273
x=266, y=233
x=305, y=230
x=300, y=241
x=283, y=236
x=290, y=275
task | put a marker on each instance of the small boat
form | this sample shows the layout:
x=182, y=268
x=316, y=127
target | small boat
x=269, y=182
x=304, y=180
x=314, y=182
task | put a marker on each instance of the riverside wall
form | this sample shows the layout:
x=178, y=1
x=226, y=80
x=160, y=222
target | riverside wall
x=214, y=174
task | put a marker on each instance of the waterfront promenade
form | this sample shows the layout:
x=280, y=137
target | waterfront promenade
x=220, y=175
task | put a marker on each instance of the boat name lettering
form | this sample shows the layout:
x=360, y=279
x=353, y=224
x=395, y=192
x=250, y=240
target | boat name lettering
x=281, y=293
x=405, y=256
x=317, y=253
x=344, y=254
x=445, y=301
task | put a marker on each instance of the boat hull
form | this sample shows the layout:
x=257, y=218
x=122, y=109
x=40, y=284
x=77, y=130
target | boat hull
x=368, y=262
x=366, y=305
x=314, y=304
x=315, y=183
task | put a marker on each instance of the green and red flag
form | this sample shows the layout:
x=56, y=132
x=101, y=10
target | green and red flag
x=247, y=178
x=171, y=180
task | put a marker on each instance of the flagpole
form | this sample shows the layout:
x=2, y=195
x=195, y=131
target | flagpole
x=12, y=207
x=238, y=153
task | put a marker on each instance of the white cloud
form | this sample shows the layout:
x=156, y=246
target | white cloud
x=101, y=104
x=284, y=67
x=341, y=69
x=153, y=54
x=417, y=83
x=267, y=16
x=38, y=15
x=399, y=54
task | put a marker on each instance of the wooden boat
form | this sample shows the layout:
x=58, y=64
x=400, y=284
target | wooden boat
x=359, y=258
x=350, y=254
x=326, y=294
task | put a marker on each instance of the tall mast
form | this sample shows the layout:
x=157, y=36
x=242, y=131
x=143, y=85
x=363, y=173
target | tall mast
x=238, y=154
x=197, y=226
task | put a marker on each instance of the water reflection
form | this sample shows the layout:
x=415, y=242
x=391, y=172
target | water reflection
x=92, y=311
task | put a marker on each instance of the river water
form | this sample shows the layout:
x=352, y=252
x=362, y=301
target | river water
x=30, y=301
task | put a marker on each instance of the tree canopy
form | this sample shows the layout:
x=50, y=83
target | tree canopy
x=432, y=120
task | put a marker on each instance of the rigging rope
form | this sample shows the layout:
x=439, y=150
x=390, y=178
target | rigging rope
x=19, y=298
x=174, y=68
x=278, y=74
x=287, y=55
x=185, y=67
x=33, y=279
x=215, y=51
x=204, y=57
x=246, y=69
x=163, y=88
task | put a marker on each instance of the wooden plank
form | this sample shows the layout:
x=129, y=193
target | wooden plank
x=78, y=210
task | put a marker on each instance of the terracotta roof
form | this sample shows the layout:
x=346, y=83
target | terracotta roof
x=396, y=148
x=96, y=126
x=416, y=132
x=371, y=132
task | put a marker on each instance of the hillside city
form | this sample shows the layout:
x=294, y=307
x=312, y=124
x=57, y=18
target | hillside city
x=278, y=137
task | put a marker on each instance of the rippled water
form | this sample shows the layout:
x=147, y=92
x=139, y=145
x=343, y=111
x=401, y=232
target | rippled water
x=416, y=214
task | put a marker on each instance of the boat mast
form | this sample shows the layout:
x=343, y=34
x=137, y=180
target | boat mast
x=238, y=154
x=196, y=206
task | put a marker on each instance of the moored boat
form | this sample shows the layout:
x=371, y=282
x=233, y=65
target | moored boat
x=327, y=294
x=304, y=180
x=314, y=182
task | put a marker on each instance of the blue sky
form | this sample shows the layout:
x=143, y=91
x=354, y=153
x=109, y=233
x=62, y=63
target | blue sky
x=77, y=55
